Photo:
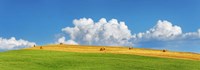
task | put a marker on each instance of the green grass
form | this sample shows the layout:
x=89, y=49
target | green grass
x=55, y=60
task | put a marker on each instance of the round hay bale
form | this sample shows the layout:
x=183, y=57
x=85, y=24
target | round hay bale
x=41, y=47
x=130, y=48
x=102, y=49
x=164, y=50
x=61, y=43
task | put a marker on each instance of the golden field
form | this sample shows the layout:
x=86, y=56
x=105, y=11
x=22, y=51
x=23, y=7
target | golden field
x=118, y=50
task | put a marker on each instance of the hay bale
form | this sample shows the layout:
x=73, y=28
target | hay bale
x=41, y=47
x=130, y=48
x=61, y=43
x=164, y=50
x=34, y=45
x=102, y=49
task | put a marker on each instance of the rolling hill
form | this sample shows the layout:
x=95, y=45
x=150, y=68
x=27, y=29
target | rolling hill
x=76, y=57
x=119, y=50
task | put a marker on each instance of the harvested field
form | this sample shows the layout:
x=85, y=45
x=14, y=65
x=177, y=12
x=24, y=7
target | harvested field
x=120, y=50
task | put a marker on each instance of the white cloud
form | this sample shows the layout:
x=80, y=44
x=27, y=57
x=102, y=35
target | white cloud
x=192, y=35
x=62, y=40
x=164, y=35
x=103, y=32
x=166, y=31
x=163, y=30
x=12, y=43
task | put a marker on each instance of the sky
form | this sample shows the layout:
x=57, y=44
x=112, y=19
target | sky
x=28, y=22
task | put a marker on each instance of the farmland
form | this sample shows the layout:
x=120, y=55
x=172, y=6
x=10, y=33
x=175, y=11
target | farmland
x=65, y=57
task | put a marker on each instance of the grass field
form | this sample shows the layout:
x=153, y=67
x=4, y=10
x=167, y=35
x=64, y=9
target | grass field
x=76, y=57
x=59, y=60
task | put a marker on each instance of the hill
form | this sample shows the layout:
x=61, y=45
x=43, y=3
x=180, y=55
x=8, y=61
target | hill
x=75, y=57
x=59, y=60
x=119, y=50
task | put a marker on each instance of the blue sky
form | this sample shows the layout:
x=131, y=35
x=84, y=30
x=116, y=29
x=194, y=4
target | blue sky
x=41, y=20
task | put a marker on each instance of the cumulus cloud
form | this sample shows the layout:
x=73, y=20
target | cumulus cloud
x=103, y=32
x=166, y=31
x=164, y=35
x=62, y=40
x=12, y=43
x=192, y=35
x=163, y=30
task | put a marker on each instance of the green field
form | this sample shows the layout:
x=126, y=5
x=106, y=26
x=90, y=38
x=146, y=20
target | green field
x=55, y=60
